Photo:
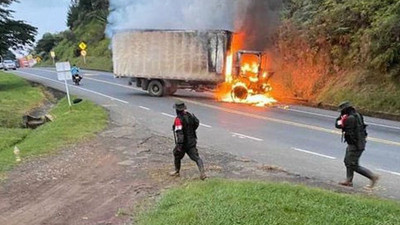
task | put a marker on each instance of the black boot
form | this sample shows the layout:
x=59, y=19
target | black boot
x=200, y=165
x=175, y=173
x=367, y=173
x=349, y=178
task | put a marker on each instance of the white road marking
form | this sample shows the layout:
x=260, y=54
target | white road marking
x=84, y=89
x=145, y=108
x=281, y=121
x=313, y=153
x=333, y=117
x=245, y=136
x=116, y=84
x=169, y=115
x=102, y=81
x=388, y=171
x=205, y=125
x=294, y=110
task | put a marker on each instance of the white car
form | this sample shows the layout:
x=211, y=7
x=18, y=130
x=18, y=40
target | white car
x=9, y=64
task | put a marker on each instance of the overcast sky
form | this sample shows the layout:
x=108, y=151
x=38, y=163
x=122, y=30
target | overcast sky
x=46, y=15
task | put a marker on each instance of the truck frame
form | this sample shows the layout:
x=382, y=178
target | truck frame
x=162, y=61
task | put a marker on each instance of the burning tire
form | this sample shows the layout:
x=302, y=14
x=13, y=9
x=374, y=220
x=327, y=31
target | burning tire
x=156, y=88
x=239, y=93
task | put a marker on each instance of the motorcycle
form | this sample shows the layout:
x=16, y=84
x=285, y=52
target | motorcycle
x=76, y=79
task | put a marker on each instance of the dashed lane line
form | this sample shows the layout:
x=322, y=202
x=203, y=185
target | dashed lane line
x=311, y=127
x=286, y=122
x=390, y=172
x=205, y=125
x=145, y=108
x=333, y=117
x=313, y=153
x=102, y=81
x=169, y=115
x=83, y=89
x=245, y=136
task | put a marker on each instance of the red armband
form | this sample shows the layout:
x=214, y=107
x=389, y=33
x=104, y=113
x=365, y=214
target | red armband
x=178, y=124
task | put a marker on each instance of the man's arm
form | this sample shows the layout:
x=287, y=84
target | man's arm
x=340, y=121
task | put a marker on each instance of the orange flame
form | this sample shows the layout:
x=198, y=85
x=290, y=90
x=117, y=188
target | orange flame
x=250, y=68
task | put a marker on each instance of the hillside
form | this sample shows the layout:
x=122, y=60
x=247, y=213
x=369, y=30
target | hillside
x=86, y=20
x=328, y=51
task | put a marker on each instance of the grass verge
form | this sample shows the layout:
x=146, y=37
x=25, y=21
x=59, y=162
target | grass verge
x=83, y=121
x=247, y=202
x=17, y=97
x=365, y=91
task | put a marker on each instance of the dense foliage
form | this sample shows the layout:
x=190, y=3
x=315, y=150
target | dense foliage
x=352, y=32
x=47, y=43
x=86, y=20
x=83, y=10
x=13, y=33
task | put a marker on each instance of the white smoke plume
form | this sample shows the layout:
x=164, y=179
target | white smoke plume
x=230, y=15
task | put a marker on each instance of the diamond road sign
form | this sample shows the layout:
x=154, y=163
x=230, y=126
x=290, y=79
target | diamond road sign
x=82, y=46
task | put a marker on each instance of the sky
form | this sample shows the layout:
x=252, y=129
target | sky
x=46, y=15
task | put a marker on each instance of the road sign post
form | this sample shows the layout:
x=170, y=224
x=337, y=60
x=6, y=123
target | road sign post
x=53, y=55
x=84, y=53
x=64, y=73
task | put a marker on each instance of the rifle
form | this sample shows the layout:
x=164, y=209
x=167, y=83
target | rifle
x=173, y=131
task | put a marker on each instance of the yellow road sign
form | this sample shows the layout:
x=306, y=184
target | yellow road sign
x=82, y=45
x=83, y=53
x=52, y=54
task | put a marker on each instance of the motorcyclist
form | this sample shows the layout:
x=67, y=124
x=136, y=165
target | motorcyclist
x=75, y=73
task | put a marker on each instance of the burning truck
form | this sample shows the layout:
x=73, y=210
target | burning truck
x=163, y=61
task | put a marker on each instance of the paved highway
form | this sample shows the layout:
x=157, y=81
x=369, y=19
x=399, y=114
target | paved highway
x=301, y=140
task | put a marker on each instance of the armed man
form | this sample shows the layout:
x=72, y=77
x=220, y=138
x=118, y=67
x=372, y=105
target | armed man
x=354, y=130
x=184, y=129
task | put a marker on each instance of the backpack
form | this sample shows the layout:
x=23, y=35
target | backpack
x=195, y=120
x=361, y=131
x=361, y=126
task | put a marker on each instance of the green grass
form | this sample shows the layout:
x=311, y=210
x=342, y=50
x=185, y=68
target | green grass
x=11, y=136
x=83, y=121
x=17, y=97
x=246, y=202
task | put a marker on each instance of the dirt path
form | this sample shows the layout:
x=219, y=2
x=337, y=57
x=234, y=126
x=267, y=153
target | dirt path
x=101, y=181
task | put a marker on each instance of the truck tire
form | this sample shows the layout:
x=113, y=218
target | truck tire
x=156, y=88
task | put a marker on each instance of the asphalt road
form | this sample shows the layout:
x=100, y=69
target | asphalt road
x=301, y=140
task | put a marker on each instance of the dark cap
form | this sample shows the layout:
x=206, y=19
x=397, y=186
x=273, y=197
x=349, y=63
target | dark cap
x=179, y=105
x=344, y=105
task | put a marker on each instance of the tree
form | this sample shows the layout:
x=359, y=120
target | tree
x=80, y=10
x=13, y=33
x=9, y=55
x=47, y=43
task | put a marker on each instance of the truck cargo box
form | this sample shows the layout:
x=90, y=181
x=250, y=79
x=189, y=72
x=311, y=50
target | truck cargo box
x=171, y=54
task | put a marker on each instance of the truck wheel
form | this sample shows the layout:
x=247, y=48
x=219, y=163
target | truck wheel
x=156, y=88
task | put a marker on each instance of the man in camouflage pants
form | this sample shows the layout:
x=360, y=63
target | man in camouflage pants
x=184, y=128
x=354, y=129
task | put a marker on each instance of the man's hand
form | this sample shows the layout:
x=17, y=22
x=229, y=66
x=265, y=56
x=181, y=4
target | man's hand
x=179, y=148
